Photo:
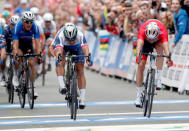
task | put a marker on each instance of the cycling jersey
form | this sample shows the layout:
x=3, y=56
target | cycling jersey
x=161, y=38
x=25, y=37
x=49, y=30
x=61, y=41
x=8, y=38
x=76, y=49
x=1, y=38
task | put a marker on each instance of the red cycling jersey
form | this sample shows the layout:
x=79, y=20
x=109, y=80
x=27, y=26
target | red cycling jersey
x=161, y=38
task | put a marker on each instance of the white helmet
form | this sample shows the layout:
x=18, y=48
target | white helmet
x=48, y=17
x=2, y=22
x=28, y=16
x=70, y=31
x=35, y=10
x=14, y=19
x=152, y=31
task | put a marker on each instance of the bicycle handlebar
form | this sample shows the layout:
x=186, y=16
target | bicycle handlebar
x=73, y=56
x=28, y=55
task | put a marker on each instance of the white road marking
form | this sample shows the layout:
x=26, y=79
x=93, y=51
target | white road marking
x=95, y=114
x=150, y=127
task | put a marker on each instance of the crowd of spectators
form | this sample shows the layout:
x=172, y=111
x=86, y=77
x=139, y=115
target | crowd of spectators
x=118, y=17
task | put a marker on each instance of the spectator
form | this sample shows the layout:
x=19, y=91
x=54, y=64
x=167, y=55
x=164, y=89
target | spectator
x=181, y=21
x=168, y=21
x=22, y=7
x=168, y=4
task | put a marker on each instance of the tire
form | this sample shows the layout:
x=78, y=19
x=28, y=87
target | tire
x=30, y=89
x=11, y=94
x=43, y=71
x=74, y=104
x=145, y=97
x=22, y=90
x=151, y=92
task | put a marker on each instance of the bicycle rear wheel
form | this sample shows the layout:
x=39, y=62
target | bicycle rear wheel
x=22, y=90
x=30, y=89
x=151, y=92
x=10, y=86
x=74, y=100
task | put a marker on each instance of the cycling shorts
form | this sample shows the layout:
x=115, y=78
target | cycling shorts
x=75, y=50
x=147, y=48
x=25, y=47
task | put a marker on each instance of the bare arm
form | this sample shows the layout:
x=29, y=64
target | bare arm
x=15, y=47
x=166, y=48
x=38, y=45
x=140, y=44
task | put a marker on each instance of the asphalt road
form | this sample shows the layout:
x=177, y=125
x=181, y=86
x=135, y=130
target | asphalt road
x=110, y=106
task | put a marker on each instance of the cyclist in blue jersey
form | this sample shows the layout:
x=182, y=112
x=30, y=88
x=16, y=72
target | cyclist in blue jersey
x=8, y=43
x=69, y=38
x=2, y=52
x=25, y=33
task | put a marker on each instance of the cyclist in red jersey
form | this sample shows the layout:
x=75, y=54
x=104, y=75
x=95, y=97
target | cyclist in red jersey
x=152, y=34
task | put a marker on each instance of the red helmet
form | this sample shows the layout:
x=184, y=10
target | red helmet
x=152, y=31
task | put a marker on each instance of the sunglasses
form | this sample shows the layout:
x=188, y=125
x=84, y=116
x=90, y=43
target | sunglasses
x=28, y=22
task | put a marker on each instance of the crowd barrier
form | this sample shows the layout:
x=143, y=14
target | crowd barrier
x=119, y=60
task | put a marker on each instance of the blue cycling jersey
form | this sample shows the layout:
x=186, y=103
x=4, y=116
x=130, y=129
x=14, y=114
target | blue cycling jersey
x=8, y=38
x=25, y=36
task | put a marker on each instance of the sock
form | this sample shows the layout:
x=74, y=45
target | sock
x=159, y=72
x=139, y=91
x=15, y=72
x=49, y=60
x=61, y=81
x=3, y=73
x=82, y=93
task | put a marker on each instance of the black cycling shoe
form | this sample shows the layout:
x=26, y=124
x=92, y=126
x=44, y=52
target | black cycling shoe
x=49, y=67
x=158, y=88
x=63, y=90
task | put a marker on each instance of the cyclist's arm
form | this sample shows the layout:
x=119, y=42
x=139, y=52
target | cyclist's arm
x=15, y=38
x=84, y=45
x=140, y=44
x=37, y=38
x=166, y=48
x=15, y=47
x=42, y=35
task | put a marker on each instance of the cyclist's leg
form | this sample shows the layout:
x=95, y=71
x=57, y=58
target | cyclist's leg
x=60, y=70
x=15, y=68
x=159, y=64
x=81, y=76
x=3, y=61
x=49, y=58
x=140, y=72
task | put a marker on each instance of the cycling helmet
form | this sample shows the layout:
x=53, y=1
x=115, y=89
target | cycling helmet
x=70, y=31
x=6, y=13
x=28, y=16
x=2, y=22
x=14, y=19
x=48, y=17
x=152, y=31
x=35, y=10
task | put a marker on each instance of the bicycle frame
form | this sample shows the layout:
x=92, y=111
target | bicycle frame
x=71, y=83
x=150, y=83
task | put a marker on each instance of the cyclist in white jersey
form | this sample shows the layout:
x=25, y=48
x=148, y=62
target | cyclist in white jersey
x=49, y=28
x=38, y=22
x=69, y=38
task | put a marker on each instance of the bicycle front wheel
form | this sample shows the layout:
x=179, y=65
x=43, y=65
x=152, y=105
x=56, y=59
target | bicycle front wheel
x=145, y=97
x=151, y=92
x=74, y=100
x=43, y=72
x=22, y=90
x=30, y=89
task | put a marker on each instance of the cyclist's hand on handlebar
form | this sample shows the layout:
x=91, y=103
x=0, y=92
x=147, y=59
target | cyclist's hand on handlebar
x=137, y=59
x=89, y=62
x=169, y=62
